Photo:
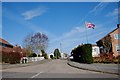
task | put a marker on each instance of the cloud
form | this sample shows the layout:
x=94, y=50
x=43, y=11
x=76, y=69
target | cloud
x=109, y=0
x=34, y=13
x=72, y=33
x=97, y=9
x=115, y=12
x=75, y=30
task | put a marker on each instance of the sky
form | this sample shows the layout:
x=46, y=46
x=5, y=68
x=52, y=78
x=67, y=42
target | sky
x=62, y=22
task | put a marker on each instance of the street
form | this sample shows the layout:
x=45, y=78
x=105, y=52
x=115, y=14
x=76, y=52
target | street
x=53, y=69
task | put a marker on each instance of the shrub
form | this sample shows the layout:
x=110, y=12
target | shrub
x=77, y=54
x=51, y=56
x=5, y=57
x=107, y=58
x=97, y=60
x=55, y=57
x=86, y=55
x=45, y=56
x=33, y=55
x=83, y=53
x=38, y=55
x=14, y=57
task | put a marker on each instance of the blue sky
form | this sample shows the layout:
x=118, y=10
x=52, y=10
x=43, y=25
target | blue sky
x=62, y=22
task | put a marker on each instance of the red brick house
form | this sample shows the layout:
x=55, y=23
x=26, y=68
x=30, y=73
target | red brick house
x=114, y=39
x=9, y=52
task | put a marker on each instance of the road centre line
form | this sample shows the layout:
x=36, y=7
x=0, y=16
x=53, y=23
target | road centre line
x=36, y=75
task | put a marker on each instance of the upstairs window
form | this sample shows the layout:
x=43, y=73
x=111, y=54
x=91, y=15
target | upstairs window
x=117, y=36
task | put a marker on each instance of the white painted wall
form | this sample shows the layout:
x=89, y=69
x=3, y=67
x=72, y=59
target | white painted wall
x=34, y=59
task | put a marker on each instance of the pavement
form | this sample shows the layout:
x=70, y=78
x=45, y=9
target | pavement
x=7, y=65
x=104, y=68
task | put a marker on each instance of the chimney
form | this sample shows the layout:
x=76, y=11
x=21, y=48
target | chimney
x=118, y=25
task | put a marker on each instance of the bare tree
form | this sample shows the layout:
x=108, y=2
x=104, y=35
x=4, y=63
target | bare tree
x=35, y=42
x=27, y=44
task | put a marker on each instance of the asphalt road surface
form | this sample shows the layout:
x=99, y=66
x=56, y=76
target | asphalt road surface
x=53, y=69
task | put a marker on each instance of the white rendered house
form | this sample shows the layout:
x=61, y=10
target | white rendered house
x=95, y=51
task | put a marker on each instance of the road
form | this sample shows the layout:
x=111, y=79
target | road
x=52, y=69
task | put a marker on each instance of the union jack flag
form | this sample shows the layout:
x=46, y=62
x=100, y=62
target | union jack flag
x=90, y=25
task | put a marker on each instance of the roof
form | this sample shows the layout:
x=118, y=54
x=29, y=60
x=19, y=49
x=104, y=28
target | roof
x=5, y=42
x=118, y=26
x=94, y=45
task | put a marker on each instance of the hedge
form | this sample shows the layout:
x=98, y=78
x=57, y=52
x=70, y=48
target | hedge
x=86, y=56
x=83, y=54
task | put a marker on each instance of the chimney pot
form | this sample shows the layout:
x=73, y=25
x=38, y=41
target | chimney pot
x=118, y=25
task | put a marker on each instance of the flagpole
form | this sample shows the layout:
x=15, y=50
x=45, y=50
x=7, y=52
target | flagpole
x=86, y=33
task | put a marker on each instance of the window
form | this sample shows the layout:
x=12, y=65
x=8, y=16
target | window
x=118, y=48
x=117, y=36
x=0, y=44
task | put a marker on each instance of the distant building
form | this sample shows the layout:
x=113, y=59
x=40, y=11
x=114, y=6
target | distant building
x=95, y=51
x=114, y=37
x=64, y=55
x=50, y=56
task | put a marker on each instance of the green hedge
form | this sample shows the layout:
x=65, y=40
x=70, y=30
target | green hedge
x=83, y=54
x=86, y=56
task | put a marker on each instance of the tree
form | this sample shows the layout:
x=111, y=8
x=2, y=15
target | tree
x=76, y=52
x=107, y=43
x=57, y=53
x=44, y=54
x=35, y=42
x=27, y=44
x=33, y=55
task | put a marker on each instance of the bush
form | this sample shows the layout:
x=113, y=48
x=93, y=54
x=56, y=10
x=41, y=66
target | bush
x=83, y=53
x=33, y=55
x=38, y=55
x=45, y=56
x=77, y=54
x=5, y=57
x=86, y=56
x=97, y=60
x=107, y=58
x=55, y=57
x=51, y=56
x=14, y=57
